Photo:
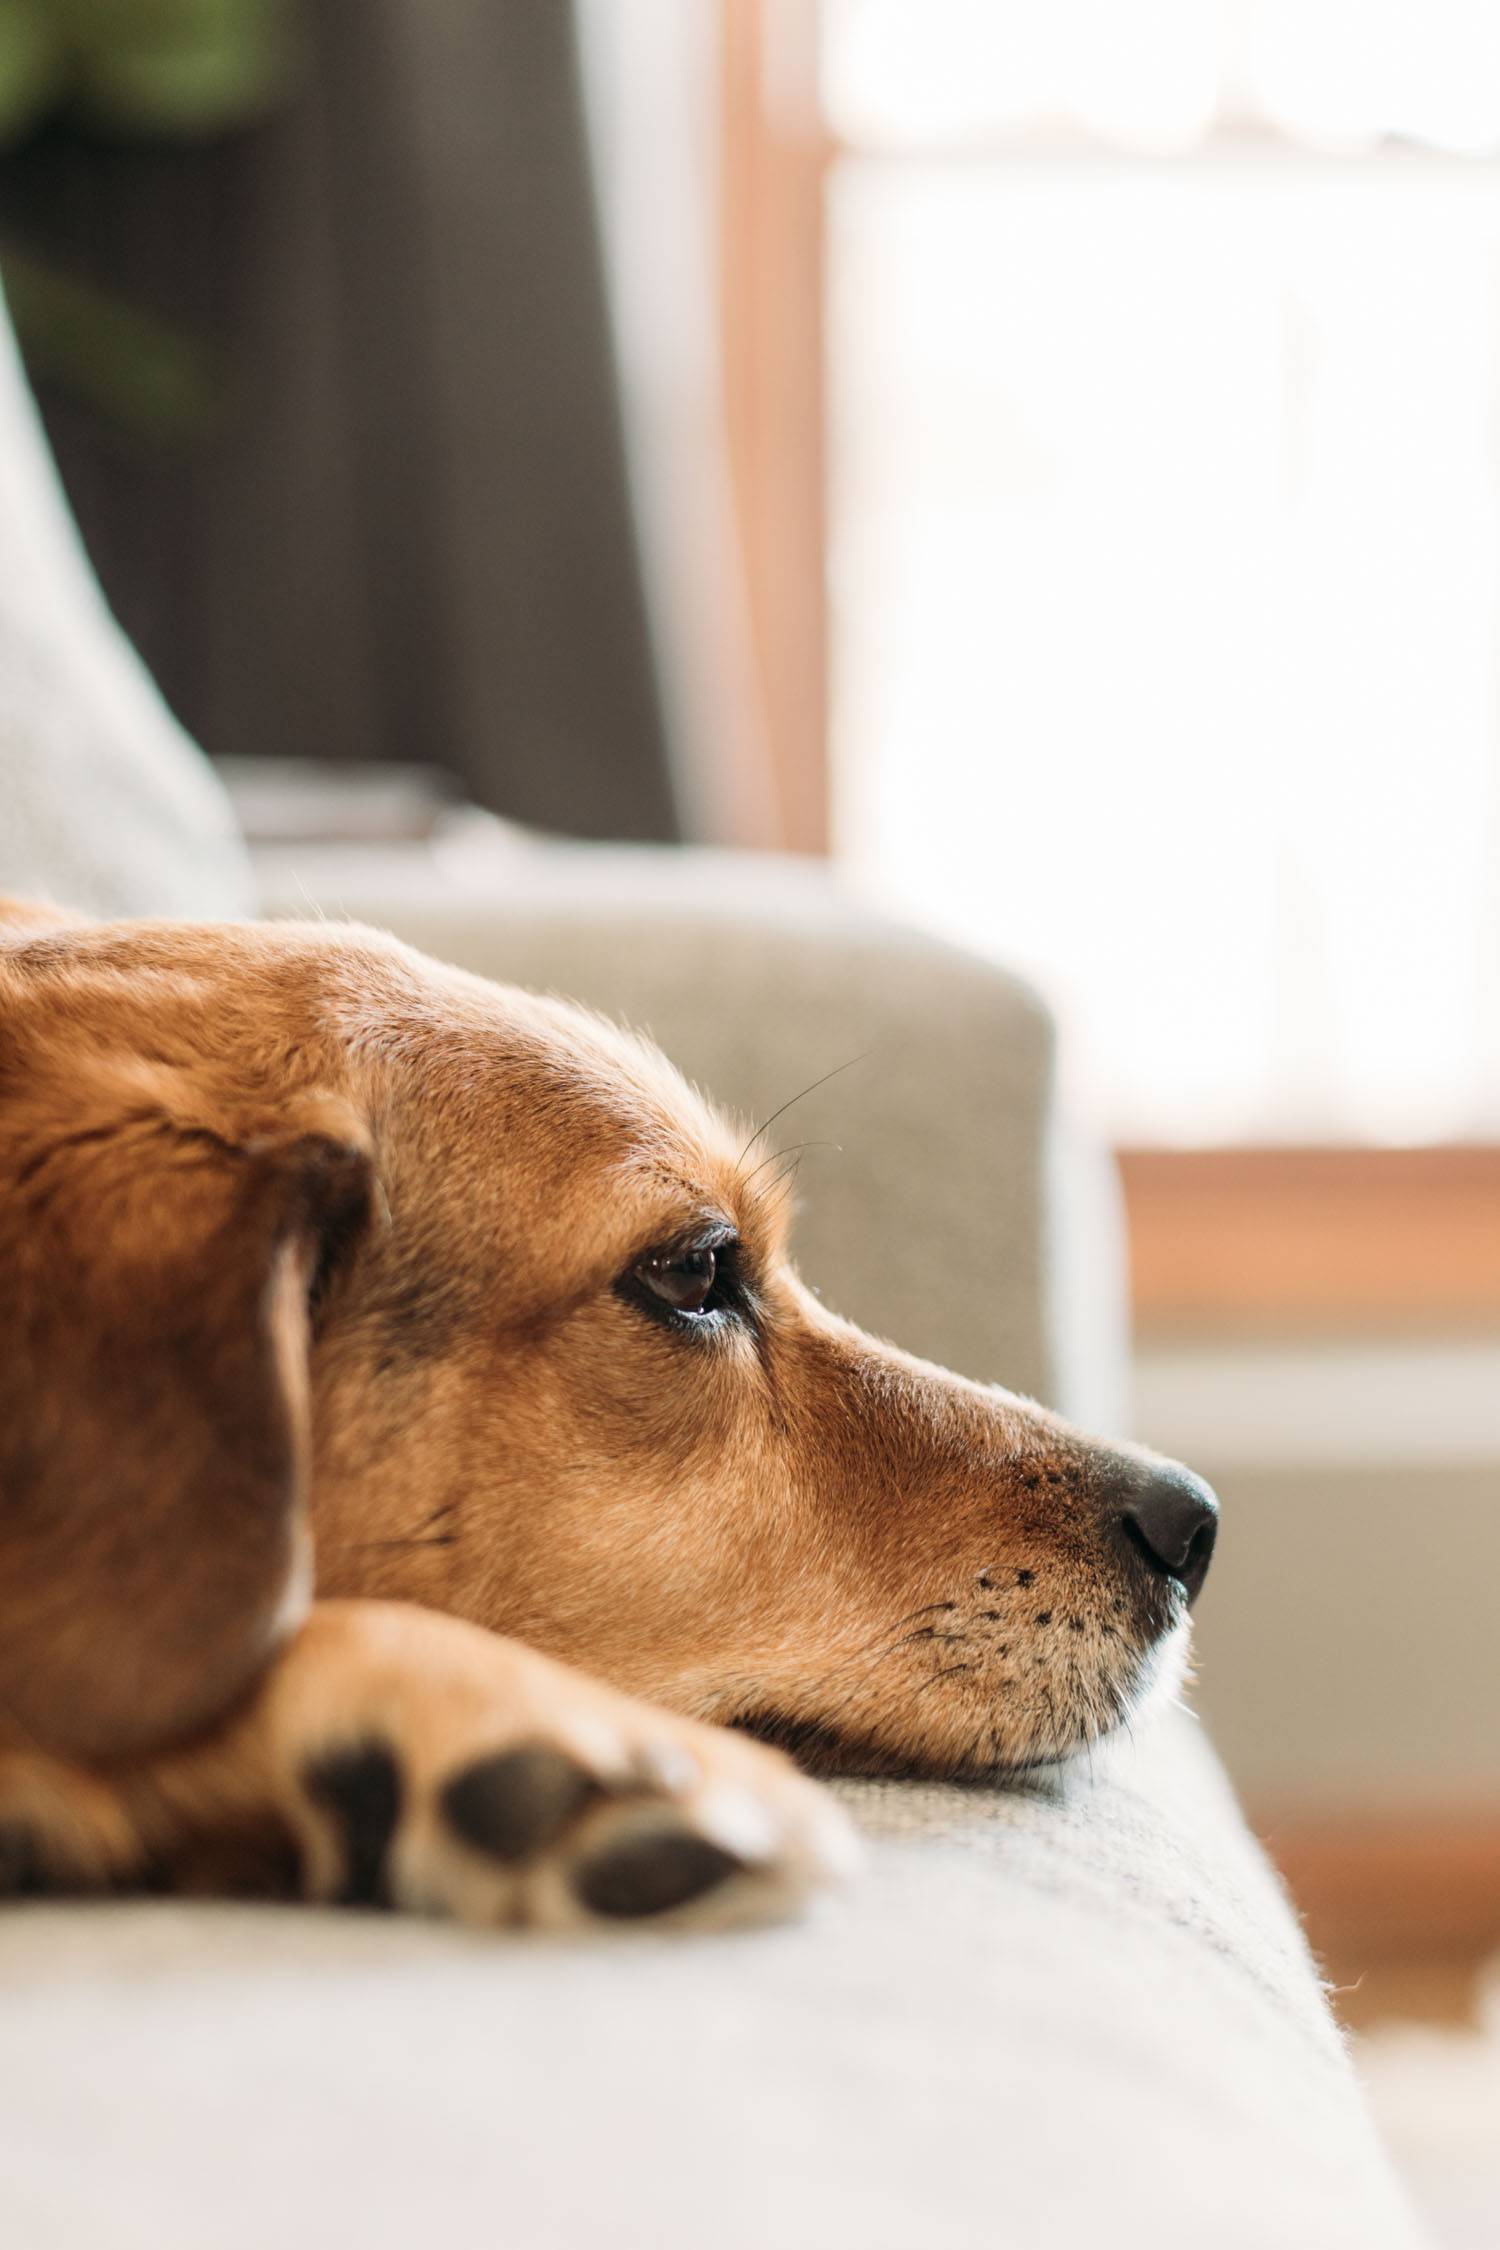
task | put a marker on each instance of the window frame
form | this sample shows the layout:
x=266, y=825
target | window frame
x=1346, y=1239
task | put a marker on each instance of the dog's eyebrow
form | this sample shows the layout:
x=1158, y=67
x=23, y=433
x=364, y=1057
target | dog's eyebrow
x=675, y=1205
x=703, y=1229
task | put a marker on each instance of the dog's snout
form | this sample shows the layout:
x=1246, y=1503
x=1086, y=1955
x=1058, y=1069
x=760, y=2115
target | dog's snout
x=1172, y=1519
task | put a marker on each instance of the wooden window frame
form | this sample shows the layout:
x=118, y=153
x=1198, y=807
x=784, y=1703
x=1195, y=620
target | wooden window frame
x=1346, y=1240
x=773, y=164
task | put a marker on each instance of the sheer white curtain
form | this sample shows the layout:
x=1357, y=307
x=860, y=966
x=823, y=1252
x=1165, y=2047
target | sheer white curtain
x=651, y=82
x=1166, y=577
x=1164, y=73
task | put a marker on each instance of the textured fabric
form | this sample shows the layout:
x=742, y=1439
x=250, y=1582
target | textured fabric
x=104, y=804
x=1035, y=2023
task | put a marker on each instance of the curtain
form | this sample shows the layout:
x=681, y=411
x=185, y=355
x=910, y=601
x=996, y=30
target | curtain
x=407, y=529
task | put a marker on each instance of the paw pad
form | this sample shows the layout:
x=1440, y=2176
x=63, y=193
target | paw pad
x=651, y=1873
x=22, y=1874
x=361, y=1788
x=515, y=1804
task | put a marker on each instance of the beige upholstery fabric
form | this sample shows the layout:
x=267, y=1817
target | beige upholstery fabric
x=1083, y=2022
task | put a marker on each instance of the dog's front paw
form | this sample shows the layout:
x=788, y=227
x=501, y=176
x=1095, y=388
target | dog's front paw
x=62, y=1829
x=423, y=1763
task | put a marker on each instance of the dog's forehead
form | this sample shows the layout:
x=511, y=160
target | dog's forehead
x=443, y=1062
x=543, y=1082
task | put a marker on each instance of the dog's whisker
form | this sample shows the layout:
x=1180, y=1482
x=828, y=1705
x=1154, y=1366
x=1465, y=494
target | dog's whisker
x=1055, y=1739
x=838, y=1692
x=926, y=1610
x=776, y=1155
x=765, y=1126
x=787, y=1180
x=946, y=1674
x=846, y=1691
x=418, y=1539
x=1088, y=1719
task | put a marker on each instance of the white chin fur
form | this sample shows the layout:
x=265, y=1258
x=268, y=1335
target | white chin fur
x=1163, y=1672
x=1161, y=1678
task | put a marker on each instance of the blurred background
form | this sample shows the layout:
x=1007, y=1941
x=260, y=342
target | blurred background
x=1045, y=459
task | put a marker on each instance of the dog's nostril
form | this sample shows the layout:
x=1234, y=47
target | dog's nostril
x=1172, y=1519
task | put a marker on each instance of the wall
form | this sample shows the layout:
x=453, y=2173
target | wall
x=1349, y=1638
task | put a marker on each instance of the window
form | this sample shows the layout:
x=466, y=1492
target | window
x=1163, y=407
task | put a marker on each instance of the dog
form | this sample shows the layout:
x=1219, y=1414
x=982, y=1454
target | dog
x=425, y=1481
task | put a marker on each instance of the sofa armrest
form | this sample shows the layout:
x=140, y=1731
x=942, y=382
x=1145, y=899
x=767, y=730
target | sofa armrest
x=1073, y=2016
x=940, y=1206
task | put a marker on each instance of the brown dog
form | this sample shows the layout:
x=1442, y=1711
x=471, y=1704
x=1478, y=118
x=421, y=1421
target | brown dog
x=314, y=1247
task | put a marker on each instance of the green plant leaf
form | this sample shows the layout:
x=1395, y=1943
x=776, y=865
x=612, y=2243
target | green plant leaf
x=33, y=66
x=181, y=67
x=143, y=374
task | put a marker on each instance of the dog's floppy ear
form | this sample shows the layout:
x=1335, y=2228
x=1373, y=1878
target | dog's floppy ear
x=157, y=1267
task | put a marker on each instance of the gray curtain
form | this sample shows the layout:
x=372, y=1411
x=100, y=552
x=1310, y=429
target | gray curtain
x=409, y=533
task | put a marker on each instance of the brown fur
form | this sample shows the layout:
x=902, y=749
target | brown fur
x=316, y=1246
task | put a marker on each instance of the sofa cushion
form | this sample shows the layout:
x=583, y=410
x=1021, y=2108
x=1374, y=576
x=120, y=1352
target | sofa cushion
x=1073, y=2016
x=104, y=802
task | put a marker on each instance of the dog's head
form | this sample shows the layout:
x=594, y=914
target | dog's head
x=303, y=1224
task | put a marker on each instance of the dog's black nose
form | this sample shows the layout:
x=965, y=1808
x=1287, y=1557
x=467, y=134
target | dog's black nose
x=1171, y=1518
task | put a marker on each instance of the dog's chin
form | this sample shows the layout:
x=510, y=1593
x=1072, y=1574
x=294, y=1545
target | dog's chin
x=1164, y=1672
x=828, y=1751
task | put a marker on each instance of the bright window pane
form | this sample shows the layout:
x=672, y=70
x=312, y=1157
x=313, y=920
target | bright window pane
x=1163, y=72
x=1166, y=578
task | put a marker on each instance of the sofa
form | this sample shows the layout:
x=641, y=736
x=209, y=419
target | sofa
x=1075, y=2013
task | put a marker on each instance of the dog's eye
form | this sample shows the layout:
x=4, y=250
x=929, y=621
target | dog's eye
x=681, y=1279
x=691, y=1285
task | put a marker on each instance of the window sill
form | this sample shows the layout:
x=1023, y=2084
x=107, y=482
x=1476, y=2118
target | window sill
x=1314, y=1240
